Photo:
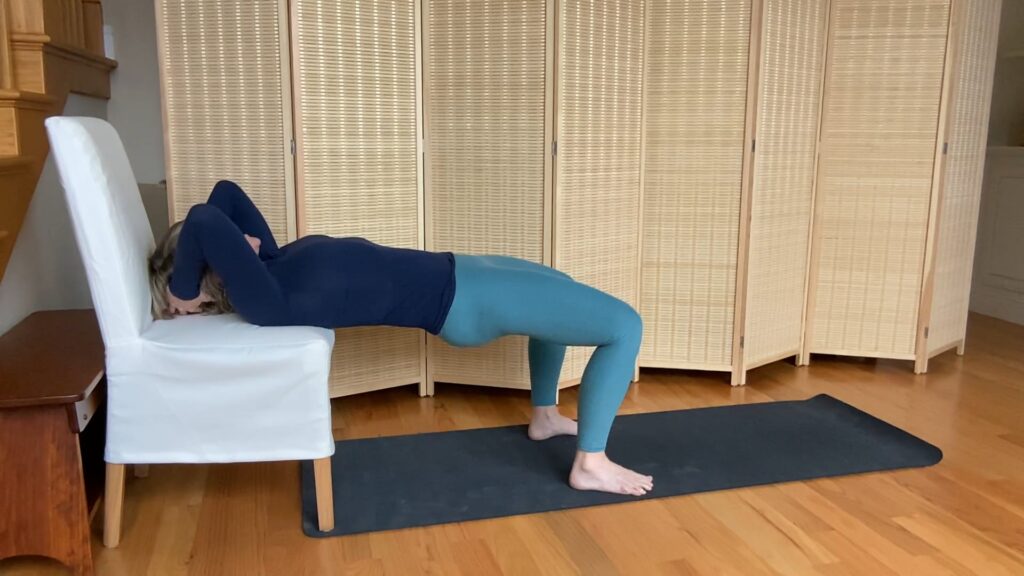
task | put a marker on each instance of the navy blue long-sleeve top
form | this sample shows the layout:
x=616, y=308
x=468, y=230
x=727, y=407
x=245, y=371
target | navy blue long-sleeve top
x=314, y=281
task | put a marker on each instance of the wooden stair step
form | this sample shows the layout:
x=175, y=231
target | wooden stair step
x=53, y=68
x=7, y=95
x=14, y=164
x=21, y=120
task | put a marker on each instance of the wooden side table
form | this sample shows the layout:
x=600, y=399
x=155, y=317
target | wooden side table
x=51, y=367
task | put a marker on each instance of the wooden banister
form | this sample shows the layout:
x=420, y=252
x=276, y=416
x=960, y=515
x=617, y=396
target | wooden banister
x=6, y=62
x=76, y=23
x=92, y=21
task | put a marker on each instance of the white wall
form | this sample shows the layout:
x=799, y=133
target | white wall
x=998, y=282
x=998, y=287
x=135, y=85
x=1007, y=125
x=45, y=271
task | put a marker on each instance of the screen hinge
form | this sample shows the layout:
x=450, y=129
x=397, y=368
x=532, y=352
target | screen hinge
x=554, y=148
x=743, y=341
x=753, y=145
x=293, y=146
x=945, y=148
x=927, y=329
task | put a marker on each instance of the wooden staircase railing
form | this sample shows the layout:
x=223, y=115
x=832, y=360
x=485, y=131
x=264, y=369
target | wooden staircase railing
x=48, y=49
x=6, y=62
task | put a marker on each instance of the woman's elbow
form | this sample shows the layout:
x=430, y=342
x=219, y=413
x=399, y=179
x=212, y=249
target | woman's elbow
x=225, y=188
x=200, y=215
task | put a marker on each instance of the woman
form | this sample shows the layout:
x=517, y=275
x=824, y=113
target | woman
x=223, y=257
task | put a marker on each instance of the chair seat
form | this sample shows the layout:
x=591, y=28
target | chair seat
x=218, y=389
x=229, y=331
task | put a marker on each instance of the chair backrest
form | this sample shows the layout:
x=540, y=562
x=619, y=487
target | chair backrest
x=109, y=220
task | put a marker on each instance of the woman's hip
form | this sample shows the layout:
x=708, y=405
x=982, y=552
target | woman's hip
x=497, y=296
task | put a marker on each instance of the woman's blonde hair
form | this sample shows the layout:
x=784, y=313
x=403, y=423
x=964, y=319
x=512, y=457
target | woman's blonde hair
x=161, y=264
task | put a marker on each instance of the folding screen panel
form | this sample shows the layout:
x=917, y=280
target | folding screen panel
x=976, y=31
x=227, y=109
x=696, y=95
x=488, y=76
x=597, y=165
x=789, y=102
x=357, y=163
x=883, y=87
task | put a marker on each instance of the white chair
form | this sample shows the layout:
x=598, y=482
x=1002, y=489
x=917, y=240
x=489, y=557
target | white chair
x=193, y=389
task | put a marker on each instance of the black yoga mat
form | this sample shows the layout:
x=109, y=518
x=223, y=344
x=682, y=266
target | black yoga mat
x=404, y=481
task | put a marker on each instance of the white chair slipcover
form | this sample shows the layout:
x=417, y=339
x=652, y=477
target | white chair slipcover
x=194, y=389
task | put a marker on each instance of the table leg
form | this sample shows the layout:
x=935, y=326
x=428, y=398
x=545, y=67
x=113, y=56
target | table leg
x=42, y=494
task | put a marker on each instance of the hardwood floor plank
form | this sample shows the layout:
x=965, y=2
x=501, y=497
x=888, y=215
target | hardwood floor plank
x=964, y=546
x=709, y=545
x=586, y=554
x=811, y=552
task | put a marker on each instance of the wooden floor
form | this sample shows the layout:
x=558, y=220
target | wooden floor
x=963, y=516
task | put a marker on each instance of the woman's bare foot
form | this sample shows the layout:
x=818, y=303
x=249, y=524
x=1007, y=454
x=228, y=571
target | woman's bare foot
x=594, y=471
x=547, y=422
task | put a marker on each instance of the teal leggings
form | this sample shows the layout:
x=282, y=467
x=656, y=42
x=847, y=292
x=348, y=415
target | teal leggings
x=496, y=296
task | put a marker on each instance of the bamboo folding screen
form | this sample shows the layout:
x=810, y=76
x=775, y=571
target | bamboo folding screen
x=357, y=157
x=598, y=106
x=878, y=140
x=782, y=190
x=760, y=178
x=976, y=39
x=902, y=154
x=733, y=100
x=225, y=74
x=487, y=81
x=696, y=100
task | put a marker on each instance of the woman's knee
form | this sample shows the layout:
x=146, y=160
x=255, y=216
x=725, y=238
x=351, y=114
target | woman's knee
x=629, y=326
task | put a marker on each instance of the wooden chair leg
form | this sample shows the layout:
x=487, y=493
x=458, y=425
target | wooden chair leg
x=113, y=500
x=324, y=493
